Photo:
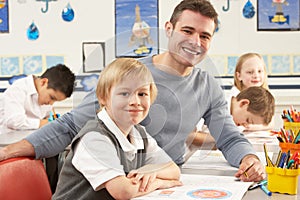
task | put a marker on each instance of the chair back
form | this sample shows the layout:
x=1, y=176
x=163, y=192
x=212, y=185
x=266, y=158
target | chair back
x=24, y=178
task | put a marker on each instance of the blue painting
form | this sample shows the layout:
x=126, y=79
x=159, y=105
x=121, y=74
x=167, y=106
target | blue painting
x=278, y=15
x=280, y=65
x=266, y=61
x=4, y=16
x=231, y=63
x=54, y=60
x=136, y=28
x=296, y=64
x=32, y=65
x=10, y=66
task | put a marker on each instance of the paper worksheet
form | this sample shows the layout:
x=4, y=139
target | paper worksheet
x=214, y=159
x=208, y=159
x=202, y=187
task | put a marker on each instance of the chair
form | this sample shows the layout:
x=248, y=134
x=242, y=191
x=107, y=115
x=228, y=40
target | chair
x=23, y=178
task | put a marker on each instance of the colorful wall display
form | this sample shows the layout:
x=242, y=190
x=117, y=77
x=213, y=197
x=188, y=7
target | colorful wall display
x=28, y=64
x=4, y=22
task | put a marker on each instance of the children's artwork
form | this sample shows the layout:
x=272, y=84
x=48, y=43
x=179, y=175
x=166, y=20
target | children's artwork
x=68, y=13
x=33, y=32
x=203, y=187
x=136, y=23
x=89, y=82
x=232, y=60
x=248, y=10
x=296, y=64
x=4, y=16
x=54, y=60
x=280, y=65
x=278, y=15
x=10, y=65
x=20, y=64
x=86, y=82
x=32, y=65
x=93, y=54
x=266, y=61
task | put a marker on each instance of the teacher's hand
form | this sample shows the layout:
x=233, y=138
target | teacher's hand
x=251, y=169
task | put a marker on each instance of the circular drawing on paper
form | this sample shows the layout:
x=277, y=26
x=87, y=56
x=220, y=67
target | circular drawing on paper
x=209, y=194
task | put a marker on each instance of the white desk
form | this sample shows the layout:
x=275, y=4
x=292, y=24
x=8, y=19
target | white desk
x=230, y=171
x=9, y=136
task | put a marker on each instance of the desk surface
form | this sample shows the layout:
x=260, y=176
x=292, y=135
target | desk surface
x=250, y=195
x=9, y=136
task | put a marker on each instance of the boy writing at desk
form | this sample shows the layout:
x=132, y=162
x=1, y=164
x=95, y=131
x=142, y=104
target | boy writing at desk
x=113, y=157
x=27, y=103
x=254, y=105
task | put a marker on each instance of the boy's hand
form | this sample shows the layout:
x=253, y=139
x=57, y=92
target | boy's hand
x=146, y=179
x=169, y=184
x=43, y=122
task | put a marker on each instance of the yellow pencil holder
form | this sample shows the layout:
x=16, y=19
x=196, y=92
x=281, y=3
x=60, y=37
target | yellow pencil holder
x=283, y=181
x=294, y=126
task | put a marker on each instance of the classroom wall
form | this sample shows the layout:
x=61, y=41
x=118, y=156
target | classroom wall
x=94, y=22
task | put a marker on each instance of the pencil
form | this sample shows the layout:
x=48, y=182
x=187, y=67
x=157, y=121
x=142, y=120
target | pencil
x=245, y=172
x=278, y=158
x=268, y=160
x=54, y=114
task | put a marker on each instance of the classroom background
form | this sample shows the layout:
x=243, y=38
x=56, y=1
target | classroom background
x=87, y=42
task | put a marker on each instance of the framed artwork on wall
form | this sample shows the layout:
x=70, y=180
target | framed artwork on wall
x=280, y=65
x=4, y=16
x=54, y=60
x=136, y=28
x=93, y=54
x=278, y=15
x=296, y=64
x=32, y=64
x=10, y=65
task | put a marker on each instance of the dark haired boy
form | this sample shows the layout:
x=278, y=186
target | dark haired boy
x=27, y=103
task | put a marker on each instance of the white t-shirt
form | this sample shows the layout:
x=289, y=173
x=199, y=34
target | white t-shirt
x=19, y=107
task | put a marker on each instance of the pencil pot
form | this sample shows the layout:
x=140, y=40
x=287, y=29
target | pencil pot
x=294, y=126
x=285, y=147
x=282, y=180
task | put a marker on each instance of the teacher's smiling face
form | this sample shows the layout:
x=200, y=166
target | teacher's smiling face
x=190, y=38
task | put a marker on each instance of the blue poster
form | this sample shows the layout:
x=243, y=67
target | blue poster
x=3, y=16
x=136, y=27
x=278, y=15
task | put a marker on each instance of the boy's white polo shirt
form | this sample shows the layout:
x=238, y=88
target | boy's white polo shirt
x=96, y=157
x=20, y=108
